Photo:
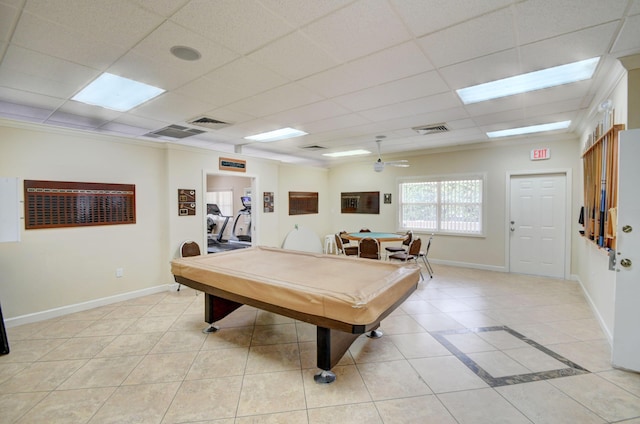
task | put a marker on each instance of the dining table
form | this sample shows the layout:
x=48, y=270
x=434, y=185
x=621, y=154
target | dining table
x=382, y=237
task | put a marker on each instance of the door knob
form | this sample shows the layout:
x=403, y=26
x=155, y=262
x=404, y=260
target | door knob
x=626, y=263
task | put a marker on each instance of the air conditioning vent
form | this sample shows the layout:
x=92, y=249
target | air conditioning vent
x=431, y=128
x=313, y=147
x=207, y=122
x=174, y=131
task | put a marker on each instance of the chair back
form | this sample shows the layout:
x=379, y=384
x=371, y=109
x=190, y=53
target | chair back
x=365, y=230
x=344, y=240
x=189, y=248
x=369, y=248
x=414, y=247
x=407, y=240
x=426, y=251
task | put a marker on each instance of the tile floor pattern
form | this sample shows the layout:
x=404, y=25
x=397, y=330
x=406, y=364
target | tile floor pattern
x=147, y=361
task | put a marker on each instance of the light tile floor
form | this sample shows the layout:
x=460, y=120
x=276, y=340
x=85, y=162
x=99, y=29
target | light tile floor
x=457, y=351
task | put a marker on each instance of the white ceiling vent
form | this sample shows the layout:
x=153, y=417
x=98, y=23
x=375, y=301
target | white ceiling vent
x=174, y=131
x=207, y=122
x=431, y=128
x=313, y=147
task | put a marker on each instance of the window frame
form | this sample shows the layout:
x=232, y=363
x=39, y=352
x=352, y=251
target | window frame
x=440, y=179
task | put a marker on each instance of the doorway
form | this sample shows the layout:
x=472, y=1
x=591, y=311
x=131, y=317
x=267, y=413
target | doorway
x=230, y=222
x=537, y=224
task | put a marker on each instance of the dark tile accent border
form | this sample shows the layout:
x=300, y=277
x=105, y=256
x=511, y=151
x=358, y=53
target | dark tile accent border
x=572, y=367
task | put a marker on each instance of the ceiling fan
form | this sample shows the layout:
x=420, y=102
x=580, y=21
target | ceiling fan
x=379, y=165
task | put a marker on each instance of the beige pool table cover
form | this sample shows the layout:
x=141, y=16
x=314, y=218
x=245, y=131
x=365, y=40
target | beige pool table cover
x=347, y=289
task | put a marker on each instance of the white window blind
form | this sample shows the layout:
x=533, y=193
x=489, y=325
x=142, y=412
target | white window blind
x=222, y=198
x=443, y=205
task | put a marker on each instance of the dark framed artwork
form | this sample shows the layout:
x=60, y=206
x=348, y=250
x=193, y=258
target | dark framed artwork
x=360, y=202
x=267, y=199
x=303, y=202
x=186, y=202
x=55, y=204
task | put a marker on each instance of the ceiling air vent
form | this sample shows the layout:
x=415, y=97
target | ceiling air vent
x=313, y=147
x=207, y=122
x=174, y=131
x=431, y=128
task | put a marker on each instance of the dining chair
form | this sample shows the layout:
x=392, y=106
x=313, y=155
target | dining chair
x=410, y=255
x=365, y=230
x=345, y=250
x=369, y=248
x=403, y=246
x=189, y=248
x=424, y=255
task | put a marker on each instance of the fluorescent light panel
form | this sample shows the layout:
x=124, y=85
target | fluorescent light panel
x=280, y=134
x=531, y=129
x=551, y=77
x=116, y=93
x=347, y=153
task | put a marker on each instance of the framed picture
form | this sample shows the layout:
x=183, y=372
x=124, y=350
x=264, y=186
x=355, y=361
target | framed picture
x=387, y=198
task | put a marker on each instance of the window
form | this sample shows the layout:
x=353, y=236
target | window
x=222, y=198
x=448, y=204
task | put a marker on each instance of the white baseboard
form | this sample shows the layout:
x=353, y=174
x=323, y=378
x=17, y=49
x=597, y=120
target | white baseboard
x=595, y=311
x=79, y=307
x=496, y=268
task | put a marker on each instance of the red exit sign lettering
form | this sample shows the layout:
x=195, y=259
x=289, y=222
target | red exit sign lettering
x=540, y=154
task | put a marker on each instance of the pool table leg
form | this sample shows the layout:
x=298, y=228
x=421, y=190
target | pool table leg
x=216, y=308
x=331, y=347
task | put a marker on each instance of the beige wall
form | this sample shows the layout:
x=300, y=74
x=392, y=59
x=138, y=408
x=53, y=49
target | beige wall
x=52, y=268
x=483, y=252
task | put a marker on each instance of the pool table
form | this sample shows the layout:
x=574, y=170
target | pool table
x=342, y=296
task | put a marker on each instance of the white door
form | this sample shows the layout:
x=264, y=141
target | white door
x=626, y=336
x=537, y=224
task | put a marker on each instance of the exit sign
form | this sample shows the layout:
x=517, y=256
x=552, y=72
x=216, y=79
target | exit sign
x=540, y=154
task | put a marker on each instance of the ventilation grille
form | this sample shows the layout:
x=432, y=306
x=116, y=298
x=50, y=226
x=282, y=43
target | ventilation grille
x=313, y=147
x=431, y=128
x=207, y=122
x=174, y=131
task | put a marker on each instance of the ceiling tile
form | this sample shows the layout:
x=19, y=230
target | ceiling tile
x=572, y=47
x=247, y=77
x=20, y=111
x=422, y=85
x=276, y=100
x=49, y=38
x=120, y=21
x=212, y=91
x=483, y=69
x=412, y=107
x=358, y=30
x=149, y=71
x=540, y=19
x=627, y=42
x=421, y=19
x=482, y=36
x=300, y=13
x=165, y=8
x=382, y=66
x=37, y=73
x=294, y=56
x=240, y=25
x=171, y=107
x=309, y=113
x=8, y=15
x=158, y=44
x=335, y=123
x=30, y=99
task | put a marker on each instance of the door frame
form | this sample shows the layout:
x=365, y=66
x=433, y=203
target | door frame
x=567, y=220
x=255, y=217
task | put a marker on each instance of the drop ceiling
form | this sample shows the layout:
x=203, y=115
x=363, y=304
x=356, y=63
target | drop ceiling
x=342, y=71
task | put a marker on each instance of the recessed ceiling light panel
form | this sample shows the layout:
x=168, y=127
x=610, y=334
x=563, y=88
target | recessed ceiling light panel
x=530, y=129
x=116, y=93
x=281, y=134
x=538, y=80
x=347, y=153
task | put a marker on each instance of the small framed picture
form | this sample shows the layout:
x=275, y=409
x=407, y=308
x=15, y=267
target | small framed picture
x=387, y=198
